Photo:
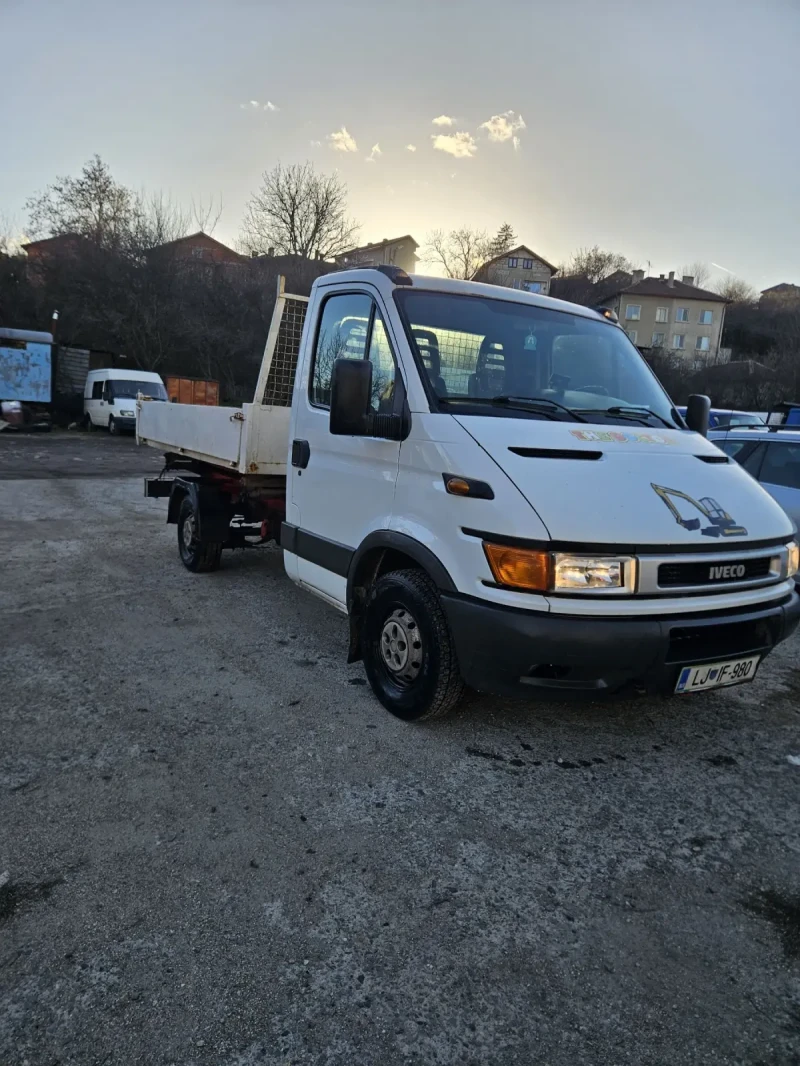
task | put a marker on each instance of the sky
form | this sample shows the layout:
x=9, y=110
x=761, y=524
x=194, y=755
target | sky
x=667, y=131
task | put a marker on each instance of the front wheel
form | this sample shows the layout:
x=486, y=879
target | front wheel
x=197, y=557
x=408, y=649
x=112, y=426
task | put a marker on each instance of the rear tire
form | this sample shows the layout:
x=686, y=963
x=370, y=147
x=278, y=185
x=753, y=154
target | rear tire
x=197, y=557
x=90, y=426
x=409, y=655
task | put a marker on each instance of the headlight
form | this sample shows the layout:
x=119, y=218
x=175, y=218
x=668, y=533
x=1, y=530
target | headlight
x=127, y=414
x=540, y=571
x=793, y=561
x=578, y=572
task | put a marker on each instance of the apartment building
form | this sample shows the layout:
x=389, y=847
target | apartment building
x=663, y=312
x=519, y=268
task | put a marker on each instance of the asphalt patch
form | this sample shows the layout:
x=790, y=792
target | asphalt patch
x=783, y=913
x=19, y=896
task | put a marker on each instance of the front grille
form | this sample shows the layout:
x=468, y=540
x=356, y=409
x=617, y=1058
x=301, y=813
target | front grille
x=712, y=573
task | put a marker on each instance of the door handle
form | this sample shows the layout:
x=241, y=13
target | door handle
x=301, y=453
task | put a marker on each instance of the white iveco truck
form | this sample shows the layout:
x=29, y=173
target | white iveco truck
x=494, y=489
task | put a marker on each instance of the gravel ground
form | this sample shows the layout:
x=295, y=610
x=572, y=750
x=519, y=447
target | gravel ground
x=216, y=848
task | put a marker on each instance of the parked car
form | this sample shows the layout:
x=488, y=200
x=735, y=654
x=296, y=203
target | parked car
x=771, y=457
x=718, y=419
x=109, y=397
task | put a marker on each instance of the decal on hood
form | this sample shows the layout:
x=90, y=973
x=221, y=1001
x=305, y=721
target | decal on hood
x=720, y=522
x=620, y=437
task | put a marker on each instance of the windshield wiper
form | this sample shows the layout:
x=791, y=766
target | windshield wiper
x=491, y=401
x=634, y=412
x=525, y=402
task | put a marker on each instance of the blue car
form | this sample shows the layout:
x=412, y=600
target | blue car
x=718, y=419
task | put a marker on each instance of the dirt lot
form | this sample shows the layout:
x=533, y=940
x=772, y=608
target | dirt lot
x=216, y=848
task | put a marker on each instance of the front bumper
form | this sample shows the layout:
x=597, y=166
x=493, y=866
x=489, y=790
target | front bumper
x=125, y=423
x=517, y=652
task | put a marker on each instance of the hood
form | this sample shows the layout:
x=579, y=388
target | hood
x=629, y=485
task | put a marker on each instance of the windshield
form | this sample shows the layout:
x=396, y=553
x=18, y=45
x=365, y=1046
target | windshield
x=476, y=350
x=125, y=389
x=736, y=418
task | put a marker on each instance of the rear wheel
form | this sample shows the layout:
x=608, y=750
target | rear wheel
x=90, y=426
x=408, y=649
x=197, y=557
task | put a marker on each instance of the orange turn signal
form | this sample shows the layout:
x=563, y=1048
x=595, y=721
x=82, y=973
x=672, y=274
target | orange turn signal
x=519, y=568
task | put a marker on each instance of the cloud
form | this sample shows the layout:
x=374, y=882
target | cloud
x=269, y=106
x=341, y=141
x=411, y=148
x=373, y=155
x=315, y=144
x=254, y=103
x=516, y=142
x=460, y=145
x=443, y=120
x=503, y=127
x=719, y=266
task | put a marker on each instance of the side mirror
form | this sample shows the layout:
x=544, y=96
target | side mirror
x=697, y=412
x=351, y=387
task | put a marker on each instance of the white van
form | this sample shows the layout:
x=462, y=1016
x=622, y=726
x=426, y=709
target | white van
x=109, y=398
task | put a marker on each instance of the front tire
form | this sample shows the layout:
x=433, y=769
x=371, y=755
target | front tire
x=112, y=426
x=197, y=557
x=408, y=649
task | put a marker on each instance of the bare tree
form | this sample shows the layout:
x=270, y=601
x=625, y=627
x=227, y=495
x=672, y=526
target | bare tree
x=93, y=205
x=736, y=290
x=206, y=216
x=594, y=264
x=298, y=211
x=460, y=253
x=700, y=271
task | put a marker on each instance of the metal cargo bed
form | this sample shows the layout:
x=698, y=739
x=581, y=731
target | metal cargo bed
x=253, y=438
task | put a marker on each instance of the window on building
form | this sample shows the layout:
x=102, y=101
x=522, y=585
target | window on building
x=527, y=264
x=682, y=314
x=633, y=312
x=197, y=253
x=705, y=318
x=702, y=344
x=662, y=314
x=513, y=262
x=533, y=286
x=658, y=339
x=679, y=340
x=632, y=334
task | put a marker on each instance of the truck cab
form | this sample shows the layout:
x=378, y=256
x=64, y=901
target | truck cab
x=495, y=489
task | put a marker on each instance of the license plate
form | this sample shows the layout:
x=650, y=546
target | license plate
x=716, y=675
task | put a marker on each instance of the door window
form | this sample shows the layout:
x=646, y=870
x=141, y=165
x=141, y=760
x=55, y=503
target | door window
x=782, y=465
x=97, y=390
x=342, y=335
x=351, y=327
x=752, y=462
x=733, y=448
